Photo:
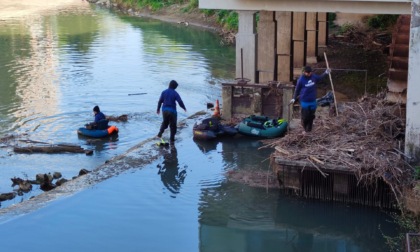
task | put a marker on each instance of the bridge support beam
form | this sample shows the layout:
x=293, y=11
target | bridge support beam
x=412, y=132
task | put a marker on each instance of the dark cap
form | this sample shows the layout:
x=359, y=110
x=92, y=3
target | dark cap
x=307, y=69
x=173, y=84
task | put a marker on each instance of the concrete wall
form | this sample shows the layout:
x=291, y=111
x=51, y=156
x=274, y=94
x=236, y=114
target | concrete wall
x=412, y=135
x=246, y=45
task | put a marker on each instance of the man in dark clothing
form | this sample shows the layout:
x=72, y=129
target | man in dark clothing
x=98, y=114
x=169, y=114
x=100, y=121
x=306, y=90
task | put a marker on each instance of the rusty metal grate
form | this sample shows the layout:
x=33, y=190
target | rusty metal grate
x=340, y=187
x=412, y=242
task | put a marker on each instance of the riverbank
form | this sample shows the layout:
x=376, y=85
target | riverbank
x=181, y=14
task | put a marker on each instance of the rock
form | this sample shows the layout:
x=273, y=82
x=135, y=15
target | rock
x=7, y=196
x=40, y=177
x=47, y=185
x=57, y=175
x=24, y=185
x=83, y=172
x=60, y=182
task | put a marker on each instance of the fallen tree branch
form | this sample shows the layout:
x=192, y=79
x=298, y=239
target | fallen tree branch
x=49, y=149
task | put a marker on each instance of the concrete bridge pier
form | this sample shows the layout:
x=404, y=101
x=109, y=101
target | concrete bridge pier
x=246, y=46
x=412, y=132
x=281, y=45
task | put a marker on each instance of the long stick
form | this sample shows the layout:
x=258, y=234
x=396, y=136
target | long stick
x=138, y=94
x=332, y=86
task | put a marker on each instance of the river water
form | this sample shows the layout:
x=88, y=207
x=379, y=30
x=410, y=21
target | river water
x=56, y=65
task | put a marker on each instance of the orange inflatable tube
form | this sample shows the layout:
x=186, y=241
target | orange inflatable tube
x=112, y=129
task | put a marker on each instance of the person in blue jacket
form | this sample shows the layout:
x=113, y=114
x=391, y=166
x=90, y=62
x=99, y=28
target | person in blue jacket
x=98, y=114
x=306, y=88
x=167, y=101
x=100, y=121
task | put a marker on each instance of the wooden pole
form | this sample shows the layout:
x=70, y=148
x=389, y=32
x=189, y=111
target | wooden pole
x=332, y=86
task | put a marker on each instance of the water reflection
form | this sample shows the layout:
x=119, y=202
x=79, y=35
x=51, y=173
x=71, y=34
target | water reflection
x=237, y=151
x=171, y=174
x=206, y=146
x=270, y=221
x=101, y=144
x=236, y=217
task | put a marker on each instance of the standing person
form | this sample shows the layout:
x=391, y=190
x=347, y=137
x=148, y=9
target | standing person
x=306, y=91
x=168, y=98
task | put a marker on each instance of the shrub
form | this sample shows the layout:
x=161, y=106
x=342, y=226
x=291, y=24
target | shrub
x=382, y=22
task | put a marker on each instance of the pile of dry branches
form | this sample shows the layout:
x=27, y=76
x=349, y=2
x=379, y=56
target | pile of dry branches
x=366, y=138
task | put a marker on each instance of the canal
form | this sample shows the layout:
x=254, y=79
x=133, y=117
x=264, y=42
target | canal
x=56, y=65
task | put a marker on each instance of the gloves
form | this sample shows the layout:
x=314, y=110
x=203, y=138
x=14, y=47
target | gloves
x=327, y=71
x=292, y=101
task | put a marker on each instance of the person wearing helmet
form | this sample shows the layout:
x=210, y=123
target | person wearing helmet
x=306, y=91
x=168, y=99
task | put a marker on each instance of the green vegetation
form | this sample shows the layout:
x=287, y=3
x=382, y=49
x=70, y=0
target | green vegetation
x=382, y=22
x=331, y=17
x=345, y=28
x=227, y=19
x=417, y=172
x=407, y=224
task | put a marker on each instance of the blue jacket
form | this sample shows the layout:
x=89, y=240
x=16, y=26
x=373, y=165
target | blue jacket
x=168, y=99
x=306, y=87
x=99, y=116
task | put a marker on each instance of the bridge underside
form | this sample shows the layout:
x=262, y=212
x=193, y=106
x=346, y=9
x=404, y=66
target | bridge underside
x=291, y=32
x=361, y=6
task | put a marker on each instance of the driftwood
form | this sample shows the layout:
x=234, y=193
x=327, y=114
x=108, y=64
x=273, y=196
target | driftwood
x=43, y=147
x=49, y=149
x=121, y=118
x=5, y=141
x=366, y=138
